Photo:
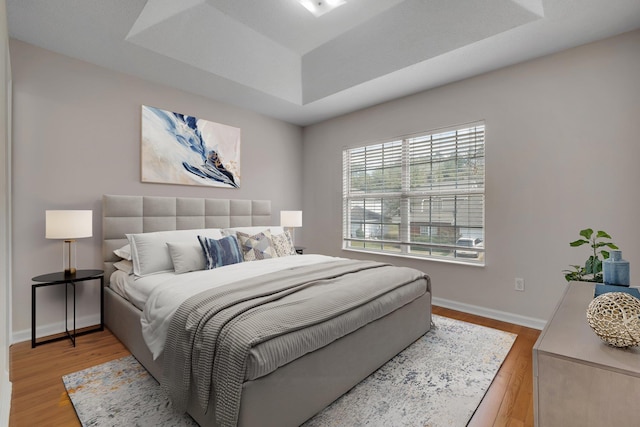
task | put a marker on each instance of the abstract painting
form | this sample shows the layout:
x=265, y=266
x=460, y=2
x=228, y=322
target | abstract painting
x=181, y=149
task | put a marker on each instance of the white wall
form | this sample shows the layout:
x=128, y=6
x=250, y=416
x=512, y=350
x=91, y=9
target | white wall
x=5, y=217
x=562, y=154
x=76, y=136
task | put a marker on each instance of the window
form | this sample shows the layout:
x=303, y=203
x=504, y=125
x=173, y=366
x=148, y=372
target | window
x=420, y=196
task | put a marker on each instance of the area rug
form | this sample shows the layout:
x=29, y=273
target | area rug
x=437, y=381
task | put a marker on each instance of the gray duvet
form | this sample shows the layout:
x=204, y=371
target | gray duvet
x=245, y=330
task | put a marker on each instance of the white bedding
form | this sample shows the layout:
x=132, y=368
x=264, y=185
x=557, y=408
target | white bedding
x=166, y=291
x=136, y=290
x=119, y=281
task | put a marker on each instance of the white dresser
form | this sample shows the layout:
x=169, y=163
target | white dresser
x=578, y=380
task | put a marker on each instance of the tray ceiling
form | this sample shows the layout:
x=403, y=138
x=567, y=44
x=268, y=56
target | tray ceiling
x=275, y=57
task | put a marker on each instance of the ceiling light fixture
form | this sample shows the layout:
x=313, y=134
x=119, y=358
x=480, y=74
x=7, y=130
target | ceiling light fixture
x=320, y=7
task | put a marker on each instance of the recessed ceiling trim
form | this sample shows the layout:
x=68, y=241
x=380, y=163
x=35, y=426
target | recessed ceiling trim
x=533, y=6
x=413, y=31
x=204, y=37
x=157, y=11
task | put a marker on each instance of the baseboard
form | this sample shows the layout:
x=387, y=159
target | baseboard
x=503, y=316
x=5, y=398
x=54, y=328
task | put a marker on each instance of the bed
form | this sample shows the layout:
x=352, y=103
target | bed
x=289, y=394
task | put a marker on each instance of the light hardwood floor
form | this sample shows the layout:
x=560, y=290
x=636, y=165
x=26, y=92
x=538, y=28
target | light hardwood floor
x=39, y=397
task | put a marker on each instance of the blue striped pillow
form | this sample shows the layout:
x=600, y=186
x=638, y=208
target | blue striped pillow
x=220, y=252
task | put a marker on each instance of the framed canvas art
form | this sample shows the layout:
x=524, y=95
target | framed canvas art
x=181, y=149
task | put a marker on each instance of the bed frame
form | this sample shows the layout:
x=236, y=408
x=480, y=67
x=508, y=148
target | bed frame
x=294, y=392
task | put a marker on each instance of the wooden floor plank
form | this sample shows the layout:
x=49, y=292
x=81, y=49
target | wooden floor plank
x=39, y=397
x=487, y=413
x=502, y=405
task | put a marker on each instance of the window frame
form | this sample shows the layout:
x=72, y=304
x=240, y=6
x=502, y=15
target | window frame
x=371, y=195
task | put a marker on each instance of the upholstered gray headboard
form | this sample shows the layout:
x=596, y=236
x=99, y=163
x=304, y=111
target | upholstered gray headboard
x=142, y=214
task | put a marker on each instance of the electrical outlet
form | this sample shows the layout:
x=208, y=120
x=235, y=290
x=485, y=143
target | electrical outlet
x=519, y=286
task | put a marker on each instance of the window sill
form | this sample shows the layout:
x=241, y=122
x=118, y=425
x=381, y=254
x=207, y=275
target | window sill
x=421, y=258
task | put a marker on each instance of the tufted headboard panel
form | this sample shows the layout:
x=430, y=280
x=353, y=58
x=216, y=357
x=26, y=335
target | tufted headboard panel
x=122, y=215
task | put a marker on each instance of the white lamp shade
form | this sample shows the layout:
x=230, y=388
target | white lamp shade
x=291, y=218
x=69, y=224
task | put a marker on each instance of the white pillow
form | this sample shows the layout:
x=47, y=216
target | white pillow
x=150, y=253
x=124, y=252
x=186, y=256
x=274, y=229
x=124, y=265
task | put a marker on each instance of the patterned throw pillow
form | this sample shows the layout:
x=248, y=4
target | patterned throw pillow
x=283, y=244
x=218, y=253
x=257, y=247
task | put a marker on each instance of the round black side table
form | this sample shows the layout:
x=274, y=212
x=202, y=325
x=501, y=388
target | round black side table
x=60, y=278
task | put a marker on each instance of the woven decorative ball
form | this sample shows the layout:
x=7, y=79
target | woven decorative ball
x=615, y=318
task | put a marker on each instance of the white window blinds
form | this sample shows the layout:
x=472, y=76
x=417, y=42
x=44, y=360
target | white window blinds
x=419, y=196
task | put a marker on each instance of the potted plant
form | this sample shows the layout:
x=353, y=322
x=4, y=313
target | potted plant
x=592, y=269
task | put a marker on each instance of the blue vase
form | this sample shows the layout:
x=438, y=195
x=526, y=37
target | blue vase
x=615, y=270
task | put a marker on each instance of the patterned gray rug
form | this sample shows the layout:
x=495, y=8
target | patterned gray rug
x=437, y=381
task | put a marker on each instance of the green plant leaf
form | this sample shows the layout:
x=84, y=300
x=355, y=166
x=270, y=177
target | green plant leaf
x=593, y=265
x=579, y=242
x=588, y=265
x=601, y=244
x=612, y=246
x=605, y=254
x=586, y=233
x=575, y=275
x=597, y=266
x=572, y=276
x=602, y=234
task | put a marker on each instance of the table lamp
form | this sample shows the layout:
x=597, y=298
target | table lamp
x=69, y=225
x=291, y=219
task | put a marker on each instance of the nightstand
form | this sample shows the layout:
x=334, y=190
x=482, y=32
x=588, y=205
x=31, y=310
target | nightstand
x=60, y=278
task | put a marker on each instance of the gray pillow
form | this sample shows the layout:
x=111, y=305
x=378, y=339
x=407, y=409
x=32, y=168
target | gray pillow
x=186, y=256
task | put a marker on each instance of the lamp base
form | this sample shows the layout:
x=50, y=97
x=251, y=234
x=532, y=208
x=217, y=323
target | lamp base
x=291, y=231
x=69, y=257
